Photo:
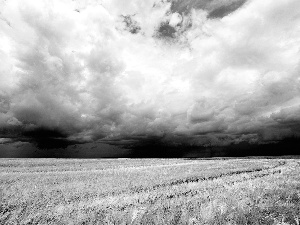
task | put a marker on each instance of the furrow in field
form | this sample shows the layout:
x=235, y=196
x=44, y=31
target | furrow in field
x=233, y=178
x=193, y=179
x=192, y=193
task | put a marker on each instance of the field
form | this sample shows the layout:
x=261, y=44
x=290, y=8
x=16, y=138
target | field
x=149, y=191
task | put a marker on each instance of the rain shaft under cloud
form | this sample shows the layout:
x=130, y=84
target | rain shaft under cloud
x=210, y=74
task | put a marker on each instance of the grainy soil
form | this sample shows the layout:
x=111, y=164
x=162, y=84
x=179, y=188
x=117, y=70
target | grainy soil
x=150, y=191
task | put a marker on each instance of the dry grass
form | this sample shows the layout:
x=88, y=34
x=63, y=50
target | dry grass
x=157, y=191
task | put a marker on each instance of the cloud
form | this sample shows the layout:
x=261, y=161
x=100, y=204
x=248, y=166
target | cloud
x=215, y=9
x=213, y=73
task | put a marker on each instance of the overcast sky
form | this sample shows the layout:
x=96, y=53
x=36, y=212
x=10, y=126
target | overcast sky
x=196, y=72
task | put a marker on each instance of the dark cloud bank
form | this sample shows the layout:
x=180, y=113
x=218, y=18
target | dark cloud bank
x=182, y=78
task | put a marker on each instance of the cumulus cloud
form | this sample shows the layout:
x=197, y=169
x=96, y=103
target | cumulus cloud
x=208, y=74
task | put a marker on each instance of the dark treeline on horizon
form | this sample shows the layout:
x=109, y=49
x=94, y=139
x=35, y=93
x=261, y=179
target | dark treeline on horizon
x=289, y=146
x=154, y=149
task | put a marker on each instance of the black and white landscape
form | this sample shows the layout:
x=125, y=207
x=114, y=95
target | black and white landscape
x=205, y=82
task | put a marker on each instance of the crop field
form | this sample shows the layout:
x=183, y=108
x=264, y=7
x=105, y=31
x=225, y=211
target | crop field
x=150, y=191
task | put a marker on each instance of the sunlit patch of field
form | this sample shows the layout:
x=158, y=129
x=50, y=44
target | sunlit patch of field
x=149, y=191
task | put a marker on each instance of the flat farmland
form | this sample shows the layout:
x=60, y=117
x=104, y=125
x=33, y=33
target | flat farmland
x=150, y=191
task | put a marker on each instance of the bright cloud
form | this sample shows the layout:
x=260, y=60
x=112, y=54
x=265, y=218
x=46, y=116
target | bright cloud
x=112, y=70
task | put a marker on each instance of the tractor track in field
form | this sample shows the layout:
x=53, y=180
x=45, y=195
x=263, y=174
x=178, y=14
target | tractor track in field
x=175, y=182
x=195, y=179
x=251, y=174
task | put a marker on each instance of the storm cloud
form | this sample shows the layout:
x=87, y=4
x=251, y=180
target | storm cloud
x=197, y=73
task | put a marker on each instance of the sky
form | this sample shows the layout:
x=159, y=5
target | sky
x=112, y=77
